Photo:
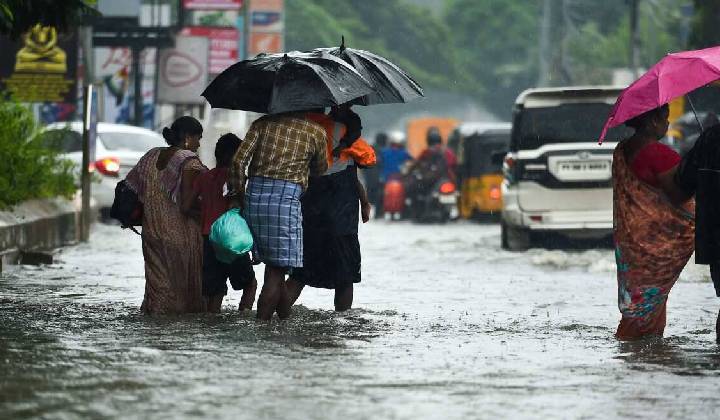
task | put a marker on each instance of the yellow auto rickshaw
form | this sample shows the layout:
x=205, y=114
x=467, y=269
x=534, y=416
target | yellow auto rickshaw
x=481, y=148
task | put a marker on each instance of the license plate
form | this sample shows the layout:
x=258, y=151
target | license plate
x=584, y=170
x=447, y=199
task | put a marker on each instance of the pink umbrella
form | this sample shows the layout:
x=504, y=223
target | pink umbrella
x=673, y=76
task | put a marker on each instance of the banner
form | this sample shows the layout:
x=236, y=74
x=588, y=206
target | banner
x=41, y=66
x=265, y=42
x=267, y=21
x=223, y=45
x=266, y=26
x=183, y=71
x=112, y=68
x=212, y=4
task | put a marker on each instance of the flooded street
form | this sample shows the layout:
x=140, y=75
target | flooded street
x=447, y=325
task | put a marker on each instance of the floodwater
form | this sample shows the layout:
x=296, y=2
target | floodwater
x=447, y=326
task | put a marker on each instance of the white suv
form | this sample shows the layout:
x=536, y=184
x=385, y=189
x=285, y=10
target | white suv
x=557, y=178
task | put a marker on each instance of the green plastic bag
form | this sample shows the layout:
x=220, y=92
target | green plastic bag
x=230, y=236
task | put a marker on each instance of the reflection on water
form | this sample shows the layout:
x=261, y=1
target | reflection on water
x=680, y=356
x=448, y=326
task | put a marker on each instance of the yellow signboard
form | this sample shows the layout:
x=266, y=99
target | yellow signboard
x=42, y=66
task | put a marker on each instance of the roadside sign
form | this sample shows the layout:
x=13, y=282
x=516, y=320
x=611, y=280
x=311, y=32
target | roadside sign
x=271, y=5
x=267, y=21
x=183, y=71
x=265, y=42
x=213, y=4
x=41, y=66
x=223, y=45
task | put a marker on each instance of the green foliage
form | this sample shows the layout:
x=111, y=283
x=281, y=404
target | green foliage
x=490, y=49
x=497, y=45
x=31, y=168
x=704, y=26
x=19, y=16
x=408, y=35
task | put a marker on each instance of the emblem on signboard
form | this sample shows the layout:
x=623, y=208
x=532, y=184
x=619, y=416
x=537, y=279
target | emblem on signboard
x=40, y=52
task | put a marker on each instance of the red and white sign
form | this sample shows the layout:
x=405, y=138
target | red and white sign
x=183, y=71
x=265, y=42
x=213, y=4
x=223, y=45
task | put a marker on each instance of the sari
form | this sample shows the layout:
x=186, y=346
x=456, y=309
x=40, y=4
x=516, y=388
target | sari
x=171, y=241
x=654, y=240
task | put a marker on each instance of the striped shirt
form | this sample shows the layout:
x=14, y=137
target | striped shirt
x=284, y=147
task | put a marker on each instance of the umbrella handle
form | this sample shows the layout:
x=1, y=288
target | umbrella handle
x=694, y=112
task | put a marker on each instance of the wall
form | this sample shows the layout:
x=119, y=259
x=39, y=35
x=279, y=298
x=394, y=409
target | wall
x=36, y=225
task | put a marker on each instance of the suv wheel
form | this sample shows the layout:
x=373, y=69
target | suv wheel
x=513, y=238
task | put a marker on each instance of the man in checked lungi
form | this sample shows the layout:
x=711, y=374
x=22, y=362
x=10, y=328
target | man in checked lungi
x=279, y=152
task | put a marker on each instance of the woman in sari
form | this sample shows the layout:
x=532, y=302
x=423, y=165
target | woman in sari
x=653, y=226
x=171, y=236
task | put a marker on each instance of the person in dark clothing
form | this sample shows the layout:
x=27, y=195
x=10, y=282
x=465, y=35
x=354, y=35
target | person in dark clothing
x=699, y=173
x=437, y=152
x=210, y=189
x=373, y=176
x=331, y=207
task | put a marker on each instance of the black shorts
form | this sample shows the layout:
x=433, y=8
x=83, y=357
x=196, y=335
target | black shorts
x=216, y=273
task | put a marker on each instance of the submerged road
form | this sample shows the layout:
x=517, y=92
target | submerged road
x=446, y=325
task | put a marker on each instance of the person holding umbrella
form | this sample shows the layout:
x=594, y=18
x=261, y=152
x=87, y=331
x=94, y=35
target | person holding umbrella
x=279, y=152
x=654, y=226
x=655, y=218
x=330, y=211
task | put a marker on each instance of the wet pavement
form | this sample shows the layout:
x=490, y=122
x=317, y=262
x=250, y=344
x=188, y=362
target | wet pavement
x=447, y=325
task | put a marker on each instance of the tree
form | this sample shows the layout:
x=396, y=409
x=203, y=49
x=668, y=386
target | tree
x=497, y=44
x=406, y=34
x=704, y=28
x=19, y=16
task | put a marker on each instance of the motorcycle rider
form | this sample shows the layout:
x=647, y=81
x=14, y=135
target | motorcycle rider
x=434, y=163
x=437, y=160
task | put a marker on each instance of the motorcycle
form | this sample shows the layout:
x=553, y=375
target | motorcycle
x=431, y=200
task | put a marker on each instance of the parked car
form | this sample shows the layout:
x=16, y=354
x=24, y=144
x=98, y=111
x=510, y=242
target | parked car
x=119, y=147
x=556, y=176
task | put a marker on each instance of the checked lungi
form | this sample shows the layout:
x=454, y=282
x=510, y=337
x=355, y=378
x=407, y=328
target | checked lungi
x=273, y=213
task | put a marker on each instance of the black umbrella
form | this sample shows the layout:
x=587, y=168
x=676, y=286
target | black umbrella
x=391, y=83
x=275, y=83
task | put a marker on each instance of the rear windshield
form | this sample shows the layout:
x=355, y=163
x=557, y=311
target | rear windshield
x=62, y=140
x=567, y=123
x=478, y=153
x=136, y=142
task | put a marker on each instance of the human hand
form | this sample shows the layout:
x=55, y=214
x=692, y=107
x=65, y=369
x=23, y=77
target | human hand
x=365, y=212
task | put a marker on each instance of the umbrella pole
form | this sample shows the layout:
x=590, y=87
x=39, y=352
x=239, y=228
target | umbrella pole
x=694, y=112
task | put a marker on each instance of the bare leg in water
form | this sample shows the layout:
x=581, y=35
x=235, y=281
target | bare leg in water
x=248, y=296
x=273, y=296
x=294, y=288
x=344, y=298
x=214, y=303
x=717, y=329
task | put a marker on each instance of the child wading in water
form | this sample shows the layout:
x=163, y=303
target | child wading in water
x=211, y=189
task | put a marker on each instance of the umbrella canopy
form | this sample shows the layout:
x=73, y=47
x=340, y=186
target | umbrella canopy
x=673, y=76
x=276, y=83
x=391, y=83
